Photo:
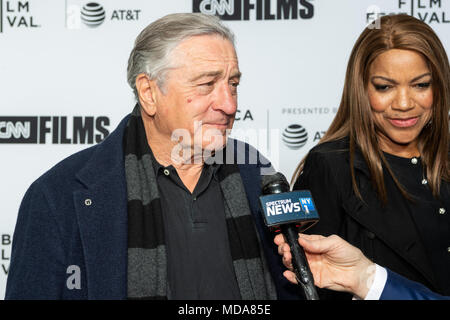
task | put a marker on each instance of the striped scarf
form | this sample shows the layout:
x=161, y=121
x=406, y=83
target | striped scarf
x=147, y=260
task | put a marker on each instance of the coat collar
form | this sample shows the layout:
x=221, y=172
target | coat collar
x=391, y=224
x=101, y=209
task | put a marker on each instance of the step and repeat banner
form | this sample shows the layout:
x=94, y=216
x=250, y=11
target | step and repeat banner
x=63, y=76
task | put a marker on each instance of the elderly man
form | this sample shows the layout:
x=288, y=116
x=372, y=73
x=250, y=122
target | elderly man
x=152, y=212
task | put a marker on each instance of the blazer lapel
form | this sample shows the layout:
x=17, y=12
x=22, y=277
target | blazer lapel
x=102, y=217
x=392, y=224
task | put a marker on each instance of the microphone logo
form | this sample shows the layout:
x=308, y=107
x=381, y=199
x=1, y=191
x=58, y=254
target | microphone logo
x=307, y=205
x=289, y=207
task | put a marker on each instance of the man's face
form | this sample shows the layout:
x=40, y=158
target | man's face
x=201, y=90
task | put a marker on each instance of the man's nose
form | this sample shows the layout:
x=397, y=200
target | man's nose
x=226, y=100
x=403, y=100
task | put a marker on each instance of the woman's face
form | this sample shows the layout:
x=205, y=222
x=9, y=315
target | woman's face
x=401, y=97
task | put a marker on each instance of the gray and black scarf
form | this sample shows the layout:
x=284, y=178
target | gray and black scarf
x=147, y=261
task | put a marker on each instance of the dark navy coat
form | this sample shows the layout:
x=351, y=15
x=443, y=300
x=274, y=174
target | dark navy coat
x=73, y=220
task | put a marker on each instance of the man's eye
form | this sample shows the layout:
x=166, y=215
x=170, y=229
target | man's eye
x=234, y=87
x=208, y=84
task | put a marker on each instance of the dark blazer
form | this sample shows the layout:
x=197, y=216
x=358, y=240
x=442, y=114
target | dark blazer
x=386, y=235
x=400, y=288
x=76, y=215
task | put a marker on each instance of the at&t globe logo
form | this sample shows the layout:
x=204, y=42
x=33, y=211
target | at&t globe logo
x=294, y=136
x=85, y=14
x=92, y=14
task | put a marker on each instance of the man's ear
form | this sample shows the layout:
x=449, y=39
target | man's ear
x=146, y=90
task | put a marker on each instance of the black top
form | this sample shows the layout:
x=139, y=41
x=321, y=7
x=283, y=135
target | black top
x=410, y=238
x=429, y=214
x=198, y=255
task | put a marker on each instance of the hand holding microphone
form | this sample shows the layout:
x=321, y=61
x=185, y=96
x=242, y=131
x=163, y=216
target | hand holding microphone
x=335, y=264
x=290, y=211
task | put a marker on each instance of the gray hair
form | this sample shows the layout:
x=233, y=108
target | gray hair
x=154, y=45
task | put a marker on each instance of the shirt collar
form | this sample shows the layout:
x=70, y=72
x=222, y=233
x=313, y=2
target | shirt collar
x=159, y=168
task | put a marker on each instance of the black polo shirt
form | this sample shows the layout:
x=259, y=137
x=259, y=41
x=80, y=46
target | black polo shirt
x=199, y=263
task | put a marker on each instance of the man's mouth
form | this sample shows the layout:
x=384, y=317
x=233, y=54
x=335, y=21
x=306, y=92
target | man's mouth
x=219, y=124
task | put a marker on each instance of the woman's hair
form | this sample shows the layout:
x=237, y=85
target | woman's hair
x=354, y=117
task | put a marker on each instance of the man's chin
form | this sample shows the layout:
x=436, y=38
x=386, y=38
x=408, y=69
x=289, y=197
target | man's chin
x=215, y=144
x=212, y=149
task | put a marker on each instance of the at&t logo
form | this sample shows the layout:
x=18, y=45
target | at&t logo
x=88, y=14
x=92, y=14
x=294, y=136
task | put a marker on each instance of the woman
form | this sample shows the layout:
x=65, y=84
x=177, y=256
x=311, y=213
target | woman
x=380, y=175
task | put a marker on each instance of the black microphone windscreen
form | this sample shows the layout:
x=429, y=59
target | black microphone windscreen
x=274, y=183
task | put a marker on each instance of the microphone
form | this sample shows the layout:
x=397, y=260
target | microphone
x=290, y=212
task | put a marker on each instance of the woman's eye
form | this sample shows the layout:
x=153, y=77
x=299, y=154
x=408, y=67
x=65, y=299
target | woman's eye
x=380, y=87
x=423, y=85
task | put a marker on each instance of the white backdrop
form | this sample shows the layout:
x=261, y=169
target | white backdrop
x=63, y=83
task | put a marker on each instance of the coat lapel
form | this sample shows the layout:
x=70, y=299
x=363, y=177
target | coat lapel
x=391, y=224
x=102, y=218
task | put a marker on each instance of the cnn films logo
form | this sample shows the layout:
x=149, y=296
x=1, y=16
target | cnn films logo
x=92, y=14
x=260, y=9
x=428, y=11
x=17, y=15
x=55, y=130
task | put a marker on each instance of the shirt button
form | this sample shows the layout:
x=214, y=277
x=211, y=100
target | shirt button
x=370, y=235
x=414, y=160
x=424, y=181
x=194, y=198
x=166, y=172
x=88, y=202
x=441, y=211
x=448, y=249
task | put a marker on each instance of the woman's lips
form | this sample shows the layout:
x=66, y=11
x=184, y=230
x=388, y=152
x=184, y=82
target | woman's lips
x=404, y=123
